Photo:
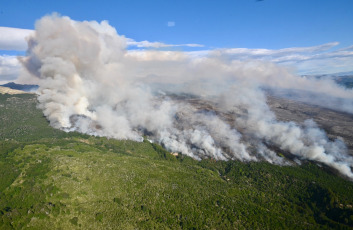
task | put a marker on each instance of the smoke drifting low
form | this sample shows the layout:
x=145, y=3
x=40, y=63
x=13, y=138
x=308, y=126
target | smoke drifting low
x=206, y=106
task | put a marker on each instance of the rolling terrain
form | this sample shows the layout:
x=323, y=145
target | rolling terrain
x=50, y=179
x=336, y=124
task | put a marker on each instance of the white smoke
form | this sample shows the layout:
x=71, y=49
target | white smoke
x=89, y=82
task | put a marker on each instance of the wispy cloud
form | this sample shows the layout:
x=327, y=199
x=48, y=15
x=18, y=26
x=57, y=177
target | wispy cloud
x=309, y=60
x=245, y=53
x=171, y=24
x=148, y=44
x=325, y=58
x=13, y=38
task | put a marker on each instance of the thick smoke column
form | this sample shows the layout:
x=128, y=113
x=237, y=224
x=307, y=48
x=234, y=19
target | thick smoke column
x=89, y=82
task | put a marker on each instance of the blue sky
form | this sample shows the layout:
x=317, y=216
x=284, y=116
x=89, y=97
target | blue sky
x=269, y=24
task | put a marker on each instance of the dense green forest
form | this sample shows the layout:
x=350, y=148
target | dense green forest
x=50, y=179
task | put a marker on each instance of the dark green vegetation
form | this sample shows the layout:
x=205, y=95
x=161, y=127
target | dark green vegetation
x=50, y=179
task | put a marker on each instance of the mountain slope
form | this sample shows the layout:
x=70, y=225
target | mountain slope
x=50, y=179
x=7, y=90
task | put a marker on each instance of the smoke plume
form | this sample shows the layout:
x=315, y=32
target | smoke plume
x=206, y=106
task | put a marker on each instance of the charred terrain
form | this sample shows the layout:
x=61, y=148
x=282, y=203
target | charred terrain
x=145, y=139
x=335, y=123
x=50, y=179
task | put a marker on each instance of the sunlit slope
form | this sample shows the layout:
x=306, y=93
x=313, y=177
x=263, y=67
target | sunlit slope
x=21, y=121
x=6, y=90
x=55, y=180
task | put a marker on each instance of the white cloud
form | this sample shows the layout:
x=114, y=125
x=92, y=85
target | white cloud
x=9, y=68
x=99, y=88
x=148, y=44
x=171, y=24
x=245, y=53
x=306, y=60
x=157, y=55
x=13, y=38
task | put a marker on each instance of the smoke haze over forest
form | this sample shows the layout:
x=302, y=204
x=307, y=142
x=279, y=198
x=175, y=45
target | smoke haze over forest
x=91, y=83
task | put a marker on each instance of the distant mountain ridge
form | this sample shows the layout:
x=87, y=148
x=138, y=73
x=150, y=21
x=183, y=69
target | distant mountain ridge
x=344, y=79
x=23, y=87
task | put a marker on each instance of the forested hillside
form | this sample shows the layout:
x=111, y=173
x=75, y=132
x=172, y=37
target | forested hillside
x=50, y=179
